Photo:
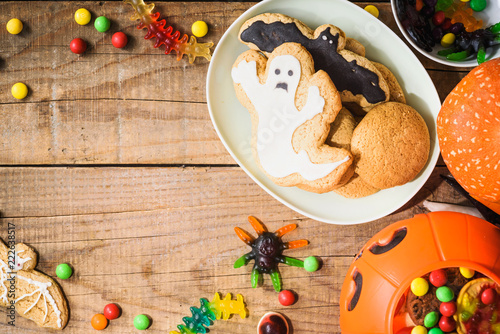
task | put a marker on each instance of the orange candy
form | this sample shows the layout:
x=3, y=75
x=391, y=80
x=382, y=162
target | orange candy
x=467, y=18
x=99, y=321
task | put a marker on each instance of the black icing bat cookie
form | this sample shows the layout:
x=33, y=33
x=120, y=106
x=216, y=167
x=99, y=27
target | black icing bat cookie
x=355, y=76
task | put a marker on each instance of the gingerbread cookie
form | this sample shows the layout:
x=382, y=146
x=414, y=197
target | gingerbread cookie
x=34, y=295
x=391, y=145
x=291, y=108
x=354, y=76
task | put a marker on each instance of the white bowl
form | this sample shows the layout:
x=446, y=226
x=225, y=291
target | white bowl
x=490, y=16
x=232, y=121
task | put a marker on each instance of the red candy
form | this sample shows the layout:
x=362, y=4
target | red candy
x=489, y=296
x=111, y=311
x=438, y=278
x=286, y=297
x=119, y=40
x=438, y=18
x=447, y=324
x=448, y=309
x=78, y=46
x=446, y=24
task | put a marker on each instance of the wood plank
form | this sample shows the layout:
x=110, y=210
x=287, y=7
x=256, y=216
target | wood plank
x=155, y=240
x=97, y=108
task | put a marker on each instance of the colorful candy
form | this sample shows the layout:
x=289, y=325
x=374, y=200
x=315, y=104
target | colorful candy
x=448, y=40
x=119, y=40
x=311, y=263
x=172, y=40
x=478, y=5
x=111, y=311
x=448, y=309
x=64, y=271
x=102, y=24
x=466, y=17
x=489, y=296
x=372, y=10
x=419, y=330
x=443, y=4
x=267, y=251
x=99, y=322
x=447, y=324
x=419, y=286
x=82, y=16
x=14, y=26
x=444, y=294
x=286, y=298
x=272, y=323
x=438, y=278
x=210, y=311
x=435, y=331
x=431, y=319
x=78, y=46
x=199, y=28
x=19, y=90
x=141, y=322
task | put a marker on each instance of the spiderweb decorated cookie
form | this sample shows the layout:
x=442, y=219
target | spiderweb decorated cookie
x=34, y=295
x=291, y=108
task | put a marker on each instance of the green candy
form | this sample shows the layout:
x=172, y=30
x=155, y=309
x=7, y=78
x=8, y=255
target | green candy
x=431, y=319
x=435, y=330
x=102, y=24
x=444, y=294
x=64, y=271
x=478, y=5
x=141, y=322
x=311, y=264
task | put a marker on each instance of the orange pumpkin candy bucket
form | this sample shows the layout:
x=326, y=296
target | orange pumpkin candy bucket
x=373, y=293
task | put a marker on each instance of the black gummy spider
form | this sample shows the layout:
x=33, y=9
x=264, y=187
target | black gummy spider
x=267, y=251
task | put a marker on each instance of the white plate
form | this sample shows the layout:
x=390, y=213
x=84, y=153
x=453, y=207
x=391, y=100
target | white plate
x=233, y=125
x=490, y=16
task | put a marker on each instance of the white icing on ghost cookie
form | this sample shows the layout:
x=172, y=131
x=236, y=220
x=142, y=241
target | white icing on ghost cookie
x=274, y=102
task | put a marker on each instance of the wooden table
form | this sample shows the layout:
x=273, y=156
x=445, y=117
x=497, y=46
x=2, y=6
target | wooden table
x=111, y=164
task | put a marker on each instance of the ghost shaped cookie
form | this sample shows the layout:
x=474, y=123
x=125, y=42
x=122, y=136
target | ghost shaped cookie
x=291, y=108
x=354, y=76
x=28, y=292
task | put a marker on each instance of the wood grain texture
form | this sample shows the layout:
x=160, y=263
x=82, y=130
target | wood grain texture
x=155, y=240
x=97, y=107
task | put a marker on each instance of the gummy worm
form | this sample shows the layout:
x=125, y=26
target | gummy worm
x=172, y=40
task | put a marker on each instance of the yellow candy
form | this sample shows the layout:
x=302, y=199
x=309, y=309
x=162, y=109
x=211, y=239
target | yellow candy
x=466, y=272
x=199, y=28
x=14, y=26
x=82, y=16
x=447, y=40
x=372, y=10
x=19, y=90
x=419, y=286
x=465, y=0
x=419, y=330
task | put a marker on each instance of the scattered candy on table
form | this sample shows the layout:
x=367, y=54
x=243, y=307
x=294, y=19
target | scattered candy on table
x=14, y=26
x=78, y=46
x=111, y=311
x=19, y=90
x=141, y=322
x=82, y=16
x=119, y=40
x=267, y=251
x=64, y=271
x=210, y=311
x=286, y=297
x=102, y=24
x=311, y=264
x=419, y=286
x=272, y=323
x=372, y=10
x=199, y=28
x=172, y=40
x=99, y=321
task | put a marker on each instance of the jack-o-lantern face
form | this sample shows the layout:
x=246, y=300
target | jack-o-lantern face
x=385, y=267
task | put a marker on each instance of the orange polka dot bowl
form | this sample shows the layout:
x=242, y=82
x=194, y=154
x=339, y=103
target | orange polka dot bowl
x=468, y=128
x=372, y=299
x=440, y=30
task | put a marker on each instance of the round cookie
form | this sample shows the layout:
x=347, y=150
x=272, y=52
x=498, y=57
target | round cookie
x=356, y=188
x=391, y=145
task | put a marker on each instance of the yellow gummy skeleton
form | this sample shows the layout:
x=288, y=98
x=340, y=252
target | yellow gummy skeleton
x=172, y=40
x=210, y=311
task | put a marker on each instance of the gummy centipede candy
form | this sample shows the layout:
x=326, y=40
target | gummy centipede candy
x=173, y=41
